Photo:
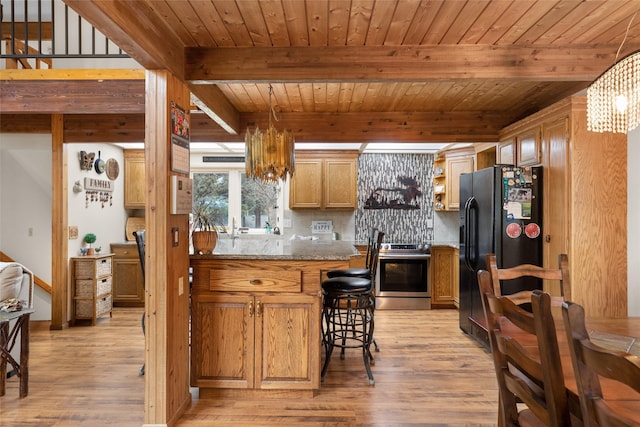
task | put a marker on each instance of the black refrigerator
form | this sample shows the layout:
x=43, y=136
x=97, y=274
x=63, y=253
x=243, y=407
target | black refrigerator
x=500, y=213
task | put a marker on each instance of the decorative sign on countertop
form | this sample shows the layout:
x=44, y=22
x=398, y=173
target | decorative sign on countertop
x=321, y=227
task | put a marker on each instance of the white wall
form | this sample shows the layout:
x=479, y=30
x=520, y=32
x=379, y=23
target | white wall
x=633, y=225
x=26, y=201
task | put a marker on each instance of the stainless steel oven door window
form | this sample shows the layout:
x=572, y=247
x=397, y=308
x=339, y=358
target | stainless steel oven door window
x=403, y=282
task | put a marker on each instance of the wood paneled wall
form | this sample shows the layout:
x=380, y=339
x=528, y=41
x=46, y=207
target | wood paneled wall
x=167, y=264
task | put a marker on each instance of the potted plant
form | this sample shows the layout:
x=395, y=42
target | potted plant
x=90, y=239
x=203, y=232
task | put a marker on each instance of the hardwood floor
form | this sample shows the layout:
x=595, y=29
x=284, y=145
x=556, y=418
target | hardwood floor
x=427, y=373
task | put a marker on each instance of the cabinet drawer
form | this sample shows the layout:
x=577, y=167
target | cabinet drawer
x=86, y=268
x=255, y=280
x=84, y=288
x=85, y=307
x=124, y=251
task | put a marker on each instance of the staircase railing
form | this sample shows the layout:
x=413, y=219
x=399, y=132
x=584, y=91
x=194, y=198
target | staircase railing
x=38, y=281
x=34, y=34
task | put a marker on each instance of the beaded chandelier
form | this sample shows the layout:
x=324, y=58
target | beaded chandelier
x=613, y=99
x=269, y=155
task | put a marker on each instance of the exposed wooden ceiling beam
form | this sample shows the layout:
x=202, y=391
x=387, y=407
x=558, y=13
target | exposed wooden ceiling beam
x=397, y=63
x=131, y=26
x=211, y=100
x=72, y=96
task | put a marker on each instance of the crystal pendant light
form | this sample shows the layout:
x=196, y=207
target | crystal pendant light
x=613, y=99
x=269, y=155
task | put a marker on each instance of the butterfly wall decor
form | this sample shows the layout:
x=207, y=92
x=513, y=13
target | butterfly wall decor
x=86, y=160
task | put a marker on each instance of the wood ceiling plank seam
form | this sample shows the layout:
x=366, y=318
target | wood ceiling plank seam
x=294, y=96
x=535, y=13
x=510, y=15
x=422, y=21
x=416, y=89
x=403, y=16
x=452, y=97
x=191, y=20
x=359, y=93
x=317, y=23
x=333, y=96
x=338, y=22
x=584, y=22
x=295, y=13
x=234, y=23
x=214, y=25
x=274, y=18
x=306, y=96
x=549, y=21
x=601, y=24
x=464, y=22
x=558, y=34
x=383, y=97
x=280, y=98
x=359, y=19
x=468, y=96
x=255, y=23
x=446, y=17
x=616, y=34
x=320, y=97
x=399, y=93
x=381, y=18
x=168, y=16
x=245, y=103
x=346, y=95
x=373, y=99
x=259, y=95
x=483, y=23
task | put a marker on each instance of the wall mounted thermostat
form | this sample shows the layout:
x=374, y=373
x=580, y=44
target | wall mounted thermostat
x=181, y=195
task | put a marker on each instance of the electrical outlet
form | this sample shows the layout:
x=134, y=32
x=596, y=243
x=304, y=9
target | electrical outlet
x=287, y=223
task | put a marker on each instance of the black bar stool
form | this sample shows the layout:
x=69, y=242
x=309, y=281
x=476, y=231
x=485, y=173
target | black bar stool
x=348, y=313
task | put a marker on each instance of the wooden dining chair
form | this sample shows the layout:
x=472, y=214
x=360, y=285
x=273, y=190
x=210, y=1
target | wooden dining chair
x=525, y=353
x=590, y=362
x=560, y=274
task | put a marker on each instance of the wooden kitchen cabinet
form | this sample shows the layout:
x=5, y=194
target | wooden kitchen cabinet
x=128, y=283
x=134, y=179
x=91, y=279
x=506, y=153
x=325, y=180
x=445, y=277
x=254, y=328
x=529, y=149
x=584, y=203
x=448, y=165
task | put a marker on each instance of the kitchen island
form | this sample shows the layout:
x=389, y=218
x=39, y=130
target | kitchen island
x=256, y=306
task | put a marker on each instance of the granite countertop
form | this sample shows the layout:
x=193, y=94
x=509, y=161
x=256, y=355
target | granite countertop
x=321, y=250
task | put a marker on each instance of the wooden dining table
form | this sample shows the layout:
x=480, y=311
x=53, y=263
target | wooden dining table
x=616, y=334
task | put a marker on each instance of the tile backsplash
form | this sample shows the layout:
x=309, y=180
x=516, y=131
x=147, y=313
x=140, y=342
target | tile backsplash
x=403, y=181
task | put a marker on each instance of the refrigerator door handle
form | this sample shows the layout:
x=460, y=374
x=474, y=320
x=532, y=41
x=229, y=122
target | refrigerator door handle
x=467, y=242
x=472, y=234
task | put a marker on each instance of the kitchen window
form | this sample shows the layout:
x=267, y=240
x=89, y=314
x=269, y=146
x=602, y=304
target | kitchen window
x=229, y=195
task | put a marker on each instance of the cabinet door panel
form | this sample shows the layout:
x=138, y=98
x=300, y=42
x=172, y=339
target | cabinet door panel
x=134, y=179
x=306, y=185
x=455, y=167
x=128, y=289
x=529, y=148
x=287, y=346
x=223, y=341
x=340, y=184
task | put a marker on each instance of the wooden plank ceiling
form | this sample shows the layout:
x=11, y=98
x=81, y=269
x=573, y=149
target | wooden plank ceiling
x=372, y=70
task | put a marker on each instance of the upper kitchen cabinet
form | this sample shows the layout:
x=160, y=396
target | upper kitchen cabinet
x=448, y=165
x=529, y=149
x=506, y=153
x=134, y=183
x=584, y=202
x=324, y=180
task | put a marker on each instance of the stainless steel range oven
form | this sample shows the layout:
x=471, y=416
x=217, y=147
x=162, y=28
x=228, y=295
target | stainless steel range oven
x=403, y=278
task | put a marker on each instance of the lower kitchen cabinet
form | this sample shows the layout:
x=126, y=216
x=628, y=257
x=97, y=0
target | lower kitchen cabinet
x=128, y=283
x=445, y=277
x=91, y=279
x=255, y=341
